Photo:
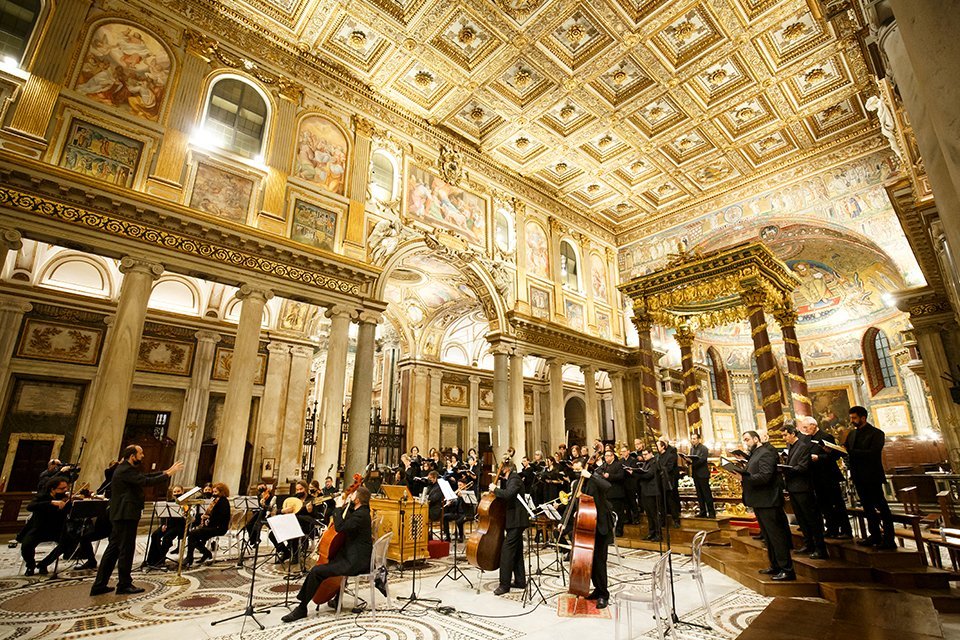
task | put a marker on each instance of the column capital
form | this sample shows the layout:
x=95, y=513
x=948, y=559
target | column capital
x=500, y=348
x=368, y=317
x=434, y=373
x=588, y=369
x=555, y=361
x=684, y=337
x=643, y=322
x=130, y=264
x=11, y=239
x=340, y=311
x=753, y=297
x=785, y=316
x=473, y=379
x=301, y=351
x=252, y=291
x=205, y=335
x=615, y=375
x=517, y=352
x=18, y=305
x=277, y=347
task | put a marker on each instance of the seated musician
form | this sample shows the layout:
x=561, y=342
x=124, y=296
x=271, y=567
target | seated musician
x=214, y=522
x=596, y=486
x=455, y=511
x=434, y=497
x=352, y=559
x=163, y=537
x=304, y=513
x=264, y=509
x=46, y=523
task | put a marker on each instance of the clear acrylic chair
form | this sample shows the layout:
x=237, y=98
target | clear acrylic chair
x=616, y=545
x=377, y=559
x=658, y=601
x=693, y=567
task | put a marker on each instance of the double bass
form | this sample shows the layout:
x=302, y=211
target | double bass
x=486, y=540
x=583, y=539
x=330, y=543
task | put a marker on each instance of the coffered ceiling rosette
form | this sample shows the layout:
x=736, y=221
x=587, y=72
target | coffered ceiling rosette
x=632, y=112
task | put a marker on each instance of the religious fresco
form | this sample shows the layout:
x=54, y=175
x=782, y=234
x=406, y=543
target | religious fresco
x=430, y=199
x=598, y=276
x=538, y=251
x=221, y=193
x=127, y=68
x=603, y=325
x=539, y=302
x=313, y=225
x=101, y=154
x=294, y=315
x=831, y=407
x=503, y=233
x=321, y=154
x=575, y=317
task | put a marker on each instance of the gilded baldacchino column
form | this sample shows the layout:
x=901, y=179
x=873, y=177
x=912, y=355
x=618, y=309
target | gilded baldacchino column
x=243, y=373
x=787, y=319
x=117, y=365
x=649, y=399
x=754, y=299
x=684, y=338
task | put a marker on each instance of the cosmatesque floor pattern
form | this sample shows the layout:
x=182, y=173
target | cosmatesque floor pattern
x=60, y=608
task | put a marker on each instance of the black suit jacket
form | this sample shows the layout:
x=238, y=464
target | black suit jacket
x=763, y=487
x=598, y=488
x=435, y=498
x=358, y=547
x=126, y=495
x=48, y=519
x=701, y=467
x=649, y=476
x=824, y=468
x=865, y=448
x=617, y=477
x=509, y=489
x=668, y=465
x=798, y=458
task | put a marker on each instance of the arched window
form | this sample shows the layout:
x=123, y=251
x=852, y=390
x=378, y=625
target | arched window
x=712, y=373
x=719, y=383
x=381, y=177
x=569, y=266
x=877, y=361
x=504, y=234
x=237, y=116
x=17, y=19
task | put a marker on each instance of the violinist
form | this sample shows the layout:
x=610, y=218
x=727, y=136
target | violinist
x=511, y=554
x=214, y=522
x=596, y=486
x=264, y=509
x=352, y=559
x=46, y=523
x=162, y=538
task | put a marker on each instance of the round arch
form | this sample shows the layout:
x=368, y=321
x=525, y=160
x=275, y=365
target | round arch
x=575, y=419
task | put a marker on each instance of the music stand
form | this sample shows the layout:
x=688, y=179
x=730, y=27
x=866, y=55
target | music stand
x=249, y=610
x=414, y=533
x=552, y=514
x=532, y=583
x=285, y=527
x=455, y=572
x=247, y=504
x=168, y=510
x=81, y=510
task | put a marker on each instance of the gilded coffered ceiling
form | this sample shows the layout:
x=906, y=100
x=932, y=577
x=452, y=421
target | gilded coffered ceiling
x=632, y=110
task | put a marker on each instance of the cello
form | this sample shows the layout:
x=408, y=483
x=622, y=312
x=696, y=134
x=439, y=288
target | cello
x=329, y=546
x=486, y=541
x=583, y=539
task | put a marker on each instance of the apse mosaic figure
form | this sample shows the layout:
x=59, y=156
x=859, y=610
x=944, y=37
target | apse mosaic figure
x=430, y=199
x=321, y=154
x=125, y=68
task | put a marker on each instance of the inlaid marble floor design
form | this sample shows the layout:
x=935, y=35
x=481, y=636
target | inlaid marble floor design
x=39, y=607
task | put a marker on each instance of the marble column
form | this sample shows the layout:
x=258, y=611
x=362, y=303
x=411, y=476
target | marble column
x=620, y=430
x=118, y=361
x=390, y=381
x=706, y=413
x=418, y=403
x=361, y=396
x=916, y=396
x=10, y=240
x=518, y=423
x=501, y=400
x=691, y=397
x=273, y=404
x=433, y=407
x=649, y=386
x=228, y=466
x=334, y=382
x=743, y=401
x=558, y=427
x=295, y=412
x=11, y=317
x=930, y=341
x=593, y=409
x=473, y=418
x=195, y=403
x=787, y=319
x=772, y=403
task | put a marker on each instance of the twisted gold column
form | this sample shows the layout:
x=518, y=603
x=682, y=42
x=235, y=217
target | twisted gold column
x=771, y=401
x=787, y=319
x=649, y=398
x=684, y=337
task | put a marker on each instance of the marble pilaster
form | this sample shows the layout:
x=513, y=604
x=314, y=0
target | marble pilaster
x=619, y=407
x=473, y=418
x=743, y=401
x=334, y=383
x=592, y=403
x=501, y=400
x=518, y=424
x=930, y=341
x=291, y=437
x=195, y=403
x=358, y=444
x=11, y=316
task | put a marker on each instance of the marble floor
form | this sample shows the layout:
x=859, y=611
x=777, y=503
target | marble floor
x=40, y=607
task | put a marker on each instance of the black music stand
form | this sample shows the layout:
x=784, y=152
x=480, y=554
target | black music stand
x=170, y=511
x=82, y=511
x=247, y=504
x=285, y=528
x=455, y=572
x=250, y=611
x=413, y=597
x=532, y=578
x=550, y=511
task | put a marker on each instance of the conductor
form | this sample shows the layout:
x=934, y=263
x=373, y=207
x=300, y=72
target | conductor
x=126, y=505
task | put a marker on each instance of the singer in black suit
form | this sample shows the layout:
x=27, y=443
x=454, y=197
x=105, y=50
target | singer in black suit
x=763, y=490
x=865, y=448
x=826, y=477
x=650, y=493
x=511, y=554
x=352, y=559
x=800, y=487
x=598, y=488
x=668, y=461
x=612, y=471
x=126, y=505
x=700, y=470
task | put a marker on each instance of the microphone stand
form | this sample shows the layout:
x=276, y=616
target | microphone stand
x=250, y=611
x=412, y=598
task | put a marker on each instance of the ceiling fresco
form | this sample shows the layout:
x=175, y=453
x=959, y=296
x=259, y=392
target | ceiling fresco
x=627, y=110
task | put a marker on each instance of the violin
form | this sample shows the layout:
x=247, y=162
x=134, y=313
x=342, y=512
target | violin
x=205, y=518
x=330, y=543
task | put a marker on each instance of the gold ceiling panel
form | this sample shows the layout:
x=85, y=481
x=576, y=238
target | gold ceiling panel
x=660, y=105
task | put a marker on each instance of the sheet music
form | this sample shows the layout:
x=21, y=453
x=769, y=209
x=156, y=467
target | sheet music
x=521, y=497
x=285, y=527
x=189, y=494
x=448, y=493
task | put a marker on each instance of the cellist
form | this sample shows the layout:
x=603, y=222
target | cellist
x=595, y=486
x=352, y=559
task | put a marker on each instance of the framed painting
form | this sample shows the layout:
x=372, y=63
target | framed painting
x=224, y=358
x=603, y=325
x=486, y=397
x=893, y=419
x=165, y=356
x=831, y=407
x=538, y=250
x=313, y=225
x=221, y=193
x=454, y=394
x=433, y=201
x=41, y=340
x=574, y=312
x=100, y=153
x=539, y=302
x=321, y=154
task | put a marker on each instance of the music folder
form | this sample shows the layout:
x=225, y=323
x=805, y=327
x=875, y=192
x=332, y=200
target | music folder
x=733, y=467
x=830, y=445
x=449, y=494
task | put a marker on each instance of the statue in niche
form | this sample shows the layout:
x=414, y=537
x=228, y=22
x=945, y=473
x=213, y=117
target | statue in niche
x=888, y=124
x=385, y=238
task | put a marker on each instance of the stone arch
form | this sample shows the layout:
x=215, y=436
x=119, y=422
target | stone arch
x=66, y=257
x=468, y=263
x=575, y=419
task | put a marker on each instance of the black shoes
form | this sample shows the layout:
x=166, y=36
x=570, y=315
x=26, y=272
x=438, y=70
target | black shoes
x=806, y=549
x=89, y=564
x=819, y=555
x=887, y=546
x=99, y=591
x=29, y=571
x=299, y=613
x=784, y=576
x=593, y=596
x=129, y=591
x=518, y=585
x=868, y=542
x=499, y=591
x=602, y=602
x=333, y=602
x=769, y=571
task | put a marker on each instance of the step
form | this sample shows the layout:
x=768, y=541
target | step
x=915, y=577
x=944, y=600
x=830, y=570
x=636, y=543
x=736, y=566
x=786, y=619
x=872, y=557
